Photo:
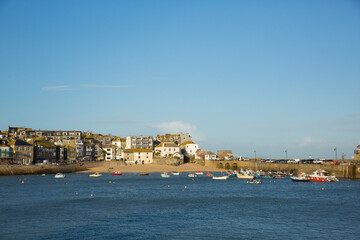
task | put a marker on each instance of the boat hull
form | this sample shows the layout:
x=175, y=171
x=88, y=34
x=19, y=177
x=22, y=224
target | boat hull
x=247, y=177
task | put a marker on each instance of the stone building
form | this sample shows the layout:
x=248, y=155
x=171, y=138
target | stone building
x=23, y=152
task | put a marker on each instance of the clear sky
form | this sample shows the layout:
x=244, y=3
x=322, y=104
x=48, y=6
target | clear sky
x=248, y=75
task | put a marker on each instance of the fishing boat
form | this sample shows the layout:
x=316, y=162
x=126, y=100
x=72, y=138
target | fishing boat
x=175, y=173
x=199, y=173
x=60, y=175
x=97, y=174
x=192, y=175
x=165, y=175
x=144, y=174
x=116, y=173
x=255, y=181
x=321, y=176
x=244, y=175
x=301, y=177
x=209, y=175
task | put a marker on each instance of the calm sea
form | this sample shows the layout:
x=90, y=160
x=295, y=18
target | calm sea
x=149, y=207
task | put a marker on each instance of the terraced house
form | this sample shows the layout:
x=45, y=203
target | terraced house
x=23, y=152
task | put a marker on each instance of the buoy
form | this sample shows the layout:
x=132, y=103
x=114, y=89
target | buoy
x=322, y=189
x=91, y=195
x=109, y=181
x=168, y=185
x=49, y=185
x=22, y=182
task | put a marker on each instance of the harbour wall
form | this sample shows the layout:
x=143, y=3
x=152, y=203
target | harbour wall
x=6, y=170
x=340, y=171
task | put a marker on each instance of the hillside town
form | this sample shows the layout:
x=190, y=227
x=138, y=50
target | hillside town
x=27, y=146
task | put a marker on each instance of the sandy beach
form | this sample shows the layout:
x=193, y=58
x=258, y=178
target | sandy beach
x=116, y=166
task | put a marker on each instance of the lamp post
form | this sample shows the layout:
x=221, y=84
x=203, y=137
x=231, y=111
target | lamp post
x=286, y=155
x=335, y=149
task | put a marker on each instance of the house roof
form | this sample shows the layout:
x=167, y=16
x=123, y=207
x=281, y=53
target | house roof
x=3, y=145
x=187, y=142
x=166, y=145
x=21, y=143
x=44, y=144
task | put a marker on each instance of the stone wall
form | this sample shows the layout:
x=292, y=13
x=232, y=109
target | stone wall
x=341, y=171
x=168, y=161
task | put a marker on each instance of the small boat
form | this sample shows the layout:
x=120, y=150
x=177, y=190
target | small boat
x=199, y=173
x=192, y=175
x=97, y=174
x=60, y=175
x=144, y=174
x=175, y=173
x=255, y=181
x=209, y=175
x=301, y=177
x=116, y=173
x=220, y=178
x=165, y=175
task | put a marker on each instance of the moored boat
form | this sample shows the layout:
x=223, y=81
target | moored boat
x=221, y=178
x=255, y=181
x=192, y=175
x=60, y=175
x=301, y=177
x=116, y=173
x=175, y=173
x=209, y=175
x=144, y=174
x=199, y=173
x=165, y=175
x=321, y=176
x=97, y=174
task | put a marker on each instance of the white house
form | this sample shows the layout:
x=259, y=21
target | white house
x=117, y=148
x=210, y=156
x=109, y=153
x=189, y=148
x=168, y=150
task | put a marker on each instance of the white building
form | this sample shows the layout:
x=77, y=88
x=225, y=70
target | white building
x=210, y=156
x=139, y=142
x=189, y=148
x=168, y=150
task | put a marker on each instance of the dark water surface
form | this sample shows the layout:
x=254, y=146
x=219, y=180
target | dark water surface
x=149, y=207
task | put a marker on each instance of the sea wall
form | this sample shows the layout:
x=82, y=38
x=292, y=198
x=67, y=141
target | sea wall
x=341, y=171
x=168, y=161
x=6, y=170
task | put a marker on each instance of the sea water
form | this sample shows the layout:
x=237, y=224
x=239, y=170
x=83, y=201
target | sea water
x=150, y=207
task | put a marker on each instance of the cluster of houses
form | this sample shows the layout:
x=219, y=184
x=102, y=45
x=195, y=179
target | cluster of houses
x=21, y=145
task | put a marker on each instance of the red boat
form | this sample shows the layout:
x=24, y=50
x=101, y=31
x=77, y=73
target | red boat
x=209, y=175
x=116, y=173
x=322, y=176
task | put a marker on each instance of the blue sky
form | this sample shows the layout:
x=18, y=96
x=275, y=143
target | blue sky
x=264, y=75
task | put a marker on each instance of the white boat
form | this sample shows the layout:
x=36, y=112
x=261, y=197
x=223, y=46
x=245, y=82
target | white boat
x=175, y=173
x=192, y=175
x=60, y=175
x=220, y=178
x=165, y=175
x=97, y=174
x=255, y=181
x=199, y=173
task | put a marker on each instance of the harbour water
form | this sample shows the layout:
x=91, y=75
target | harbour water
x=150, y=207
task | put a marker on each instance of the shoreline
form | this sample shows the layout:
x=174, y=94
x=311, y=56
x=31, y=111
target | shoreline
x=103, y=167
